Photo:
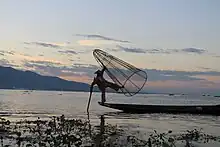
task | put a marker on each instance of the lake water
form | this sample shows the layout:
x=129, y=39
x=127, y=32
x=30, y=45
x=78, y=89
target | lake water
x=19, y=104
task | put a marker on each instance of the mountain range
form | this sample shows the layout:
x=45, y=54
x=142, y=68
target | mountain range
x=11, y=78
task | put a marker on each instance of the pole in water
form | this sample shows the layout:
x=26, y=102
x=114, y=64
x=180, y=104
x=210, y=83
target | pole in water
x=88, y=104
x=90, y=96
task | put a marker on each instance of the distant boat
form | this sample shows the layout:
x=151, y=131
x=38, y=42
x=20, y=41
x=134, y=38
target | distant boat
x=171, y=94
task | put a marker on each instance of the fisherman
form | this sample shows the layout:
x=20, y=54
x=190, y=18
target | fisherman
x=103, y=84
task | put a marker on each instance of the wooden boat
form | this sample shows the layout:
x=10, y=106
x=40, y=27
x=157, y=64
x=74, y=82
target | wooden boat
x=138, y=108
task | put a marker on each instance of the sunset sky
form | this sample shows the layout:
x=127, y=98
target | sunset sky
x=176, y=42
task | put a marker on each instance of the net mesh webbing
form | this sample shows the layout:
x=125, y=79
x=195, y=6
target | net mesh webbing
x=122, y=73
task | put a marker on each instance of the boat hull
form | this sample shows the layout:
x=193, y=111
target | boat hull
x=138, y=108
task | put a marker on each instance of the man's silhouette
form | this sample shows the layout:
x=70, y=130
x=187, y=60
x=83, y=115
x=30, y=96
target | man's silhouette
x=103, y=84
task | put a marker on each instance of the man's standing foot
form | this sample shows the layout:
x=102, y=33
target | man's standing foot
x=103, y=102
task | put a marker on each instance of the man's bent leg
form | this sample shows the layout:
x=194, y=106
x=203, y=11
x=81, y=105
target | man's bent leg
x=103, y=96
x=115, y=86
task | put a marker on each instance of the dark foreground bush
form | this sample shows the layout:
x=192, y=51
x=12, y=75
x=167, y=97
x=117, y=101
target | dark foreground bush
x=58, y=131
x=62, y=132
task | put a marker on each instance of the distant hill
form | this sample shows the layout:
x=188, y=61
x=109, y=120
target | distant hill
x=11, y=78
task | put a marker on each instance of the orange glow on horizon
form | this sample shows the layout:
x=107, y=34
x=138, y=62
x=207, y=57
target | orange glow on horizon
x=215, y=79
x=155, y=84
x=84, y=79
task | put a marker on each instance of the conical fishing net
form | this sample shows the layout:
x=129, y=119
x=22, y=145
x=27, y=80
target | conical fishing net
x=122, y=73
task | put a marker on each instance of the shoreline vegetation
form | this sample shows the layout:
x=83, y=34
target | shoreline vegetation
x=65, y=132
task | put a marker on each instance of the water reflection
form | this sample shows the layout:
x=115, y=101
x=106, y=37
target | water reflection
x=99, y=138
x=187, y=138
